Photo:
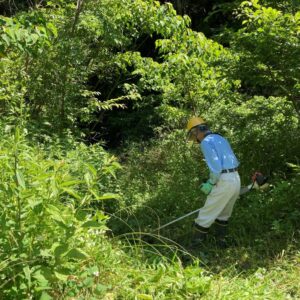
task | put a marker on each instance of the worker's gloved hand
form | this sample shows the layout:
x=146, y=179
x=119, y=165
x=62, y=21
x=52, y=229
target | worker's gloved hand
x=206, y=187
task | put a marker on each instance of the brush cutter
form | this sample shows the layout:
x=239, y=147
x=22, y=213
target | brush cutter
x=259, y=182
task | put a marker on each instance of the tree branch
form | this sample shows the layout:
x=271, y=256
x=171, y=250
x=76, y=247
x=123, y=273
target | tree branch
x=78, y=11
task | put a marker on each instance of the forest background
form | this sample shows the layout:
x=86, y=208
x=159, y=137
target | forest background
x=94, y=99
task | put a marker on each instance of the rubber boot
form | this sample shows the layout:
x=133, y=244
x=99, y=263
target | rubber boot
x=221, y=233
x=199, y=235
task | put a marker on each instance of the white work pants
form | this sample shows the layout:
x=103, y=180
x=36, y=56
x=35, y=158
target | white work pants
x=219, y=203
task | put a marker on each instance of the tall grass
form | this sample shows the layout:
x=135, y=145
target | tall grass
x=264, y=226
x=57, y=207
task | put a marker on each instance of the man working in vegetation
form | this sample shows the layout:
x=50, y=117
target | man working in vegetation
x=223, y=186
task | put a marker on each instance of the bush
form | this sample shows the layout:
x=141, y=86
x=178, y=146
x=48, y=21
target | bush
x=264, y=132
x=48, y=228
x=267, y=47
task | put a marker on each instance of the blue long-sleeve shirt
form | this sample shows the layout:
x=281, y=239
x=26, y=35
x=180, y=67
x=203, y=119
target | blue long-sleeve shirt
x=218, y=155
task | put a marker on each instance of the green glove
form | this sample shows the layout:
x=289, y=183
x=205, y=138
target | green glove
x=206, y=187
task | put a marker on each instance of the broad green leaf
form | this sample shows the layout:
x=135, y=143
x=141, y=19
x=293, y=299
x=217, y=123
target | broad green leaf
x=47, y=272
x=60, y=250
x=94, y=224
x=43, y=282
x=76, y=254
x=80, y=215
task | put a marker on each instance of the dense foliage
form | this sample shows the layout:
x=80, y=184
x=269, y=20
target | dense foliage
x=94, y=98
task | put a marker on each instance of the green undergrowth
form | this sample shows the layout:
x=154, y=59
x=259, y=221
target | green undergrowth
x=69, y=230
x=54, y=239
x=77, y=222
x=159, y=183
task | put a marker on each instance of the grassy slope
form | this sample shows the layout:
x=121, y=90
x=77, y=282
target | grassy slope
x=264, y=263
x=226, y=274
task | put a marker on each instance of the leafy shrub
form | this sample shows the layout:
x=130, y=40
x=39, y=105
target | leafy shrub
x=48, y=228
x=267, y=47
x=52, y=238
x=264, y=132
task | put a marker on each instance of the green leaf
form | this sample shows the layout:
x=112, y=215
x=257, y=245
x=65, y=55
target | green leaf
x=92, y=169
x=88, y=178
x=43, y=282
x=100, y=288
x=48, y=274
x=80, y=215
x=88, y=282
x=72, y=193
x=52, y=27
x=20, y=47
x=45, y=253
x=45, y=296
x=60, y=250
x=34, y=38
x=20, y=179
x=6, y=39
x=27, y=273
x=144, y=297
x=55, y=214
x=76, y=254
x=93, y=224
x=34, y=203
x=105, y=196
x=109, y=196
x=42, y=288
x=60, y=276
x=71, y=182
